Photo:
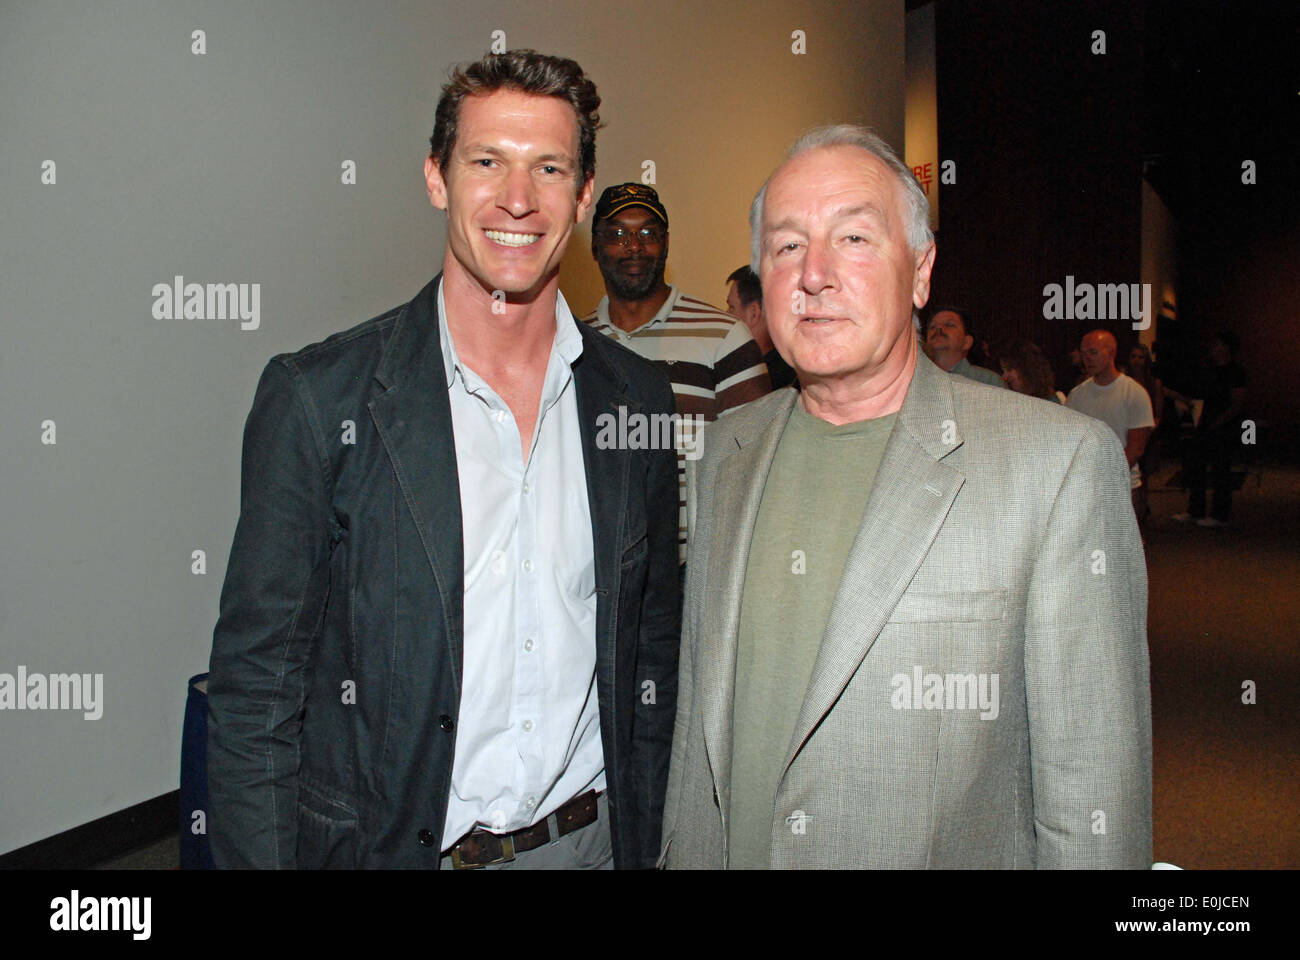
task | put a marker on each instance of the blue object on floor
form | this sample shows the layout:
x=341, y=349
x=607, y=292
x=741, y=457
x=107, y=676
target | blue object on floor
x=195, y=853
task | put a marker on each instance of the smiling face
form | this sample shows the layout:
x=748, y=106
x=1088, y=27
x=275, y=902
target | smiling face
x=634, y=271
x=839, y=282
x=510, y=191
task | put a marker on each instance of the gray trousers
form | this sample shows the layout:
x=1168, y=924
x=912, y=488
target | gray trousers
x=587, y=848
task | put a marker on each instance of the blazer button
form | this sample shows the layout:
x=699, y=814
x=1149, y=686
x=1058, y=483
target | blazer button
x=445, y=722
x=426, y=838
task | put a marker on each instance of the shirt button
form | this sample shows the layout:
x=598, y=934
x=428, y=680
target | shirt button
x=445, y=722
x=528, y=726
x=501, y=416
x=528, y=645
x=530, y=802
x=528, y=566
x=527, y=488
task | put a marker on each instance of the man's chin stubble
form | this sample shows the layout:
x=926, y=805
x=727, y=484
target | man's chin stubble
x=625, y=290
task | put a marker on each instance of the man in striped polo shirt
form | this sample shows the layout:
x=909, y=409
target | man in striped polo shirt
x=711, y=359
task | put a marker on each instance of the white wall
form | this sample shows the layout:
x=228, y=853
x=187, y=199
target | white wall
x=225, y=167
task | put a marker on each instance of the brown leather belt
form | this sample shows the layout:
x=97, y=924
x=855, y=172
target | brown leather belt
x=480, y=847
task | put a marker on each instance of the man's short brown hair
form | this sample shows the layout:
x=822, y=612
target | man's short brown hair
x=526, y=71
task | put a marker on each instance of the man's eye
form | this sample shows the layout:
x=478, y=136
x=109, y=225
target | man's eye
x=550, y=169
x=484, y=161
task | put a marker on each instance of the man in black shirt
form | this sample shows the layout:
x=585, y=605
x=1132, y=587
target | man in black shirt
x=745, y=303
x=1218, y=432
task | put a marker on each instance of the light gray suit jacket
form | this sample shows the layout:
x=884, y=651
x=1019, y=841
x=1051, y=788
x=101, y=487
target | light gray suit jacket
x=998, y=543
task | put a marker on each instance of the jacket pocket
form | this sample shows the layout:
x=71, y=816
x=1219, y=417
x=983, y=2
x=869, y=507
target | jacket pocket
x=637, y=551
x=957, y=606
x=327, y=832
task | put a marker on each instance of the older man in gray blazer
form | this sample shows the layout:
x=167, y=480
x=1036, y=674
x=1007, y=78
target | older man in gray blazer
x=915, y=622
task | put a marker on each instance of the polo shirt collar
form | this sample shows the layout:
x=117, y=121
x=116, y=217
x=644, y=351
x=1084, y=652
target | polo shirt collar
x=602, y=313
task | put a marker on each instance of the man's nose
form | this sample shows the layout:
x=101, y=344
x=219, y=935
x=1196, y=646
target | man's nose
x=818, y=271
x=518, y=194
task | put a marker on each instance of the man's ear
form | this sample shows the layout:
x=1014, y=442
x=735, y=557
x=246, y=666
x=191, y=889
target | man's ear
x=754, y=315
x=584, y=205
x=967, y=343
x=436, y=185
x=921, y=276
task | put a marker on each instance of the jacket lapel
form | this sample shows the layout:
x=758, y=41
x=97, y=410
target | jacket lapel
x=413, y=417
x=601, y=389
x=739, y=486
x=909, y=500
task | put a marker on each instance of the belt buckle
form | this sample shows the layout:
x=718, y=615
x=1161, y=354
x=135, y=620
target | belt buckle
x=507, y=854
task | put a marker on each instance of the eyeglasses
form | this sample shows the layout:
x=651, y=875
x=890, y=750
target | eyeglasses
x=622, y=237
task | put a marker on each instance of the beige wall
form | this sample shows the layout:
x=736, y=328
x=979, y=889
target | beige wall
x=921, y=104
x=714, y=96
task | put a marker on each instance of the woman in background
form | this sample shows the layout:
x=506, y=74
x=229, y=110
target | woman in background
x=1026, y=370
x=1139, y=368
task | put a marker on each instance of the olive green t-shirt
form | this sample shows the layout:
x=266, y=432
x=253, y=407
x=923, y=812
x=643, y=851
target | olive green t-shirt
x=812, y=505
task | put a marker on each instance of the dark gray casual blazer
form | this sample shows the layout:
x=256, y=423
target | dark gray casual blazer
x=336, y=662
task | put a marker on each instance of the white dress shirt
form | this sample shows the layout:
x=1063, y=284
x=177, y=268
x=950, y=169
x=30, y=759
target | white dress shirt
x=528, y=738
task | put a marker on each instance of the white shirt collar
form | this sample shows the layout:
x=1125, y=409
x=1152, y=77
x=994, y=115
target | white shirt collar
x=567, y=343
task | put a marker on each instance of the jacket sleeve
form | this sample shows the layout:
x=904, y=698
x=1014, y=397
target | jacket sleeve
x=1087, y=670
x=661, y=619
x=272, y=606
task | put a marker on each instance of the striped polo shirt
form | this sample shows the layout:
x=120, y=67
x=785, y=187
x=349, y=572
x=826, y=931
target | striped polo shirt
x=711, y=359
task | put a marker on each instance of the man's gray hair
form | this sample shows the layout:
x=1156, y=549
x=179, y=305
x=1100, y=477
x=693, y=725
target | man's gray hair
x=919, y=235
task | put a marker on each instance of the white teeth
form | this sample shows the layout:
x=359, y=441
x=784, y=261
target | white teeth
x=512, y=239
x=819, y=319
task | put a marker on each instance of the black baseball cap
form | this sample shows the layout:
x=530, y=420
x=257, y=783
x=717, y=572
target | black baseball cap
x=627, y=195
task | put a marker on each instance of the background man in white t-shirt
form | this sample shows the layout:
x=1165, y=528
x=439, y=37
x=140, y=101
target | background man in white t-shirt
x=1114, y=398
